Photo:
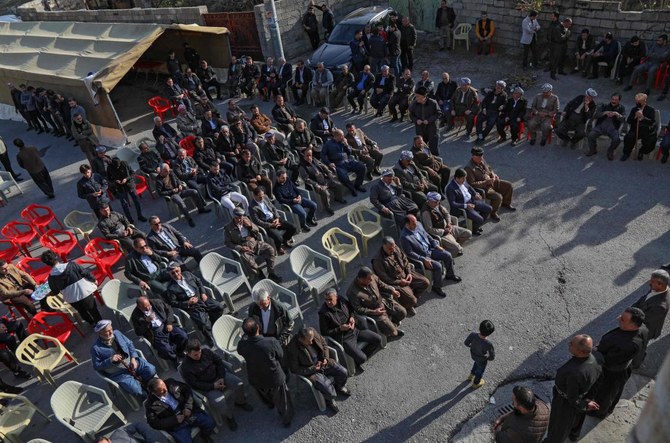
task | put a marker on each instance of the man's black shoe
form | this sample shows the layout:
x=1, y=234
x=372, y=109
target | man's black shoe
x=455, y=278
x=360, y=188
x=232, y=424
x=344, y=391
x=204, y=210
x=305, y=228
x=191, y=223
x=439, y=292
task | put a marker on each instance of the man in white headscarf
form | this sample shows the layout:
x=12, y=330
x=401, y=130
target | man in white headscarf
x=575, y=115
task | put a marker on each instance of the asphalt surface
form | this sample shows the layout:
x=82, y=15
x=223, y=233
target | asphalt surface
x=580, y=248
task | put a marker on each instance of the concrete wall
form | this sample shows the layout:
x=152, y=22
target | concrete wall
x=289, y=15
x=33, y=11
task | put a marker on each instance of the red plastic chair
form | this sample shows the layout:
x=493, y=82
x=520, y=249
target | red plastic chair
x=160, y=106
x=21, y=233
x=8, y=250
x=661, y=75
x=34, y=266
x=53, y=324
x=140, y=185
x=551, y=133
x=188, y=144
x=60, y=242
x=40, y=217
x=105, y=252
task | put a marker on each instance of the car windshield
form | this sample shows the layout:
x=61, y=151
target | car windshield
x=343, y=34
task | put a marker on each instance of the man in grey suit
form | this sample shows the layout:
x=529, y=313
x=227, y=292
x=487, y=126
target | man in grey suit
x=386, y=195
x=167, y=242
x=654, y=304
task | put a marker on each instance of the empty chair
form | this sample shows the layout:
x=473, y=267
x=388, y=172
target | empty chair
x=341, y=246
x=225, y=276
x=43, y=360
x=82, y=223
x=105, y=252
x=60, y=242
x=121, y=297
x=21, y=234
x=83, y=409
x=16, y=413
x=35, y=268
x=366, y=223
x=8, y=250
x=6, y=183
x=314, y=271
x=284, y=296
x=227, y=332
x=160, y=106
x=54, y=324
x=40, y=217
x=462, y=32
x=57, y=303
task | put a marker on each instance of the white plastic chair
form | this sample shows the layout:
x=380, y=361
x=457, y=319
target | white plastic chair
x=227, y=332
x=462, y=32
x=35, y=351
x=282, y=295
x=116, y=390
x=6, y=183
x=129, y=156
x=224, y=275
x=83, y=409
x=16, y=416
x=366, y=223
x=82, y=223
x=341, y=246
x=116, y=295
x=314, y=271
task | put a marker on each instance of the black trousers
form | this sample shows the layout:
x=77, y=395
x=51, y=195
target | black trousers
x=371, y=339
x=407, y=58
x=314, y=39
x=321, y=382
x=280, y=238
x=7, y=164
x=8, y=358
x=88, y=310
x=429, y=134
x=648, y=139
x=609, y=389
x=280, y=397
x=531, y=48
x=564, y=420
x=42, y=180
x=190, y=252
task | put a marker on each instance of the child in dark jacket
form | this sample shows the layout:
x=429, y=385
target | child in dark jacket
x=481, y=351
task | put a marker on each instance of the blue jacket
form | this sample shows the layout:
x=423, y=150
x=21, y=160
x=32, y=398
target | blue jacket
x=101, y=354
x=334, y=152
x=415, y=249
x=455, y=196
x=286, y=192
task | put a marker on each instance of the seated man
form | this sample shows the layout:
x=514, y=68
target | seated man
x=149, y=161
x=383, y=88
x=439, y=223
x=187, y=122
x=154, y=320
x=167, y=148
x=249, y=171
x=400, y=99
x=585, y=43
x=308, y=355
x=386, y=195
x=542, y=112
x=392, y=267
x=12, y=333
x=656, y=54
x=284, y=115
x=465, y=105
x=528, y=420
x=168, y=242
x=245, y=135
x=575, y=115
x=631, y=56
x=115, y=226
x=234, y=77
x=277, y=154
x=187, y=170
x=360, y=88
x=261, y=122
x=481, y=176
x=461, y=195
x=265, y=215
x=302, y=77
x=335, y=154
x=321, y=83
x=146, y=268
x=365, y=149
x=336, y=320
x=114, y=356
x=372, y=297
x=172, y=408
x=204, y=156
x=206, y=372
x=445, y=90
x=607, y=121
x=513, y=115
x=320, y=179
x=284, y=76
x=176, y=94
x=322, y=125
x=606, y=51
x=484, y=30
x=438, y=172
x=16, y=288
x=272, y=316
x=169, y=187
x=186, y=291
x=235, y=113
x=427, y=83
x=165, y=129
x=420, y=246
x=287, y=193
x=209, y=78
x=642, y=123
x=220, y=186
x=412, y=178
x=342, y=85
x=250, y=76
x=302, y=137
x=243, y=236
x=491, y=109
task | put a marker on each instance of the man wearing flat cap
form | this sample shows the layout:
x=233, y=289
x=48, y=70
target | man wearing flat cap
x=513, y=115
x=383, y=88
x=439, y=223
x=438, y=172
x=541, y=115
x=386, y=195
x=424, y=112
x=465, y=105
x=101, y=161
x=654, y=304
x=412, y=178
x=481, y=176
x=575, y=115
x=491, y=108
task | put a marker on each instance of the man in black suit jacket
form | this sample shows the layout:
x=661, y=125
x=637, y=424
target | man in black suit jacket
x=279, y=323
x=167, y=242
x=654, y=304
x=146, y=268
x=512, y=115
x=301, y=80
x=383, y=88
x=284, y=75
x=185, y=291
x=264, y=356
x=642, y=121
x=154, y=320
x=475, y=208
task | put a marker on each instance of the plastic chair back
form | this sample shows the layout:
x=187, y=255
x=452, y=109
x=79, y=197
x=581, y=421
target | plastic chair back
x=34, y=266
x=121, y=297
x=82, y=223
x=188, y=144
x=54, y=324
x=21, y=233
x=40, y=217
x=8, y=250
x=282, y=295
x=227, y=332
x=60, y=242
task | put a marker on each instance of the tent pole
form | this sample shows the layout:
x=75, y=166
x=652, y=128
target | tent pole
x=118, y=120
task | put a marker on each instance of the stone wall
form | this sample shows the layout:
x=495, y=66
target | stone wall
x=34, y=11
x=289, y=15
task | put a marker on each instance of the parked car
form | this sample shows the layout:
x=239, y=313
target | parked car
x=335, y=52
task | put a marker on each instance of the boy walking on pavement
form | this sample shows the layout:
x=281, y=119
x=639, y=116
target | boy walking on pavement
x=481, y=351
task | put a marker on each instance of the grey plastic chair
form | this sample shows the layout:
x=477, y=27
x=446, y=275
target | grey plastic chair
x=118, y=296
x=284, y=296
x=225, y=276
x=227, y=332
x=314, y=272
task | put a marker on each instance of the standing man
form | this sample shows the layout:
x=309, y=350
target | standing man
x=445, y=18
x=573, y=382
x=264, y=357
x=29, y=159
x=92, y=187
x=559, y=38
x=481, y=175
x=424, y=112
x=529, y=29
x=607, y=121
x=82, y=131
x=484, y=30
x=407, y=44
x=4, y=159
x=327, y=21
x=642, y=125
x=311, y=27
x=618, y=347
x=654, y=304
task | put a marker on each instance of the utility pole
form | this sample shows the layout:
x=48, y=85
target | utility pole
x=273, y=26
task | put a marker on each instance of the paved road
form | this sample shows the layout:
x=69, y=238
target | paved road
x=587, y=234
